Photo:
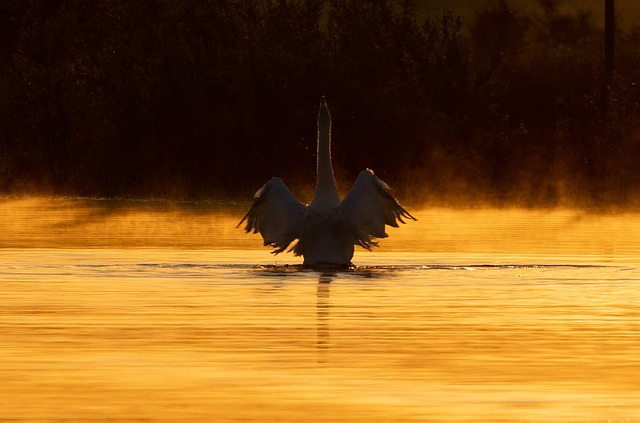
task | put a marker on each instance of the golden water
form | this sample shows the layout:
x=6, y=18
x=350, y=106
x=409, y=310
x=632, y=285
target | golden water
x=129, y=311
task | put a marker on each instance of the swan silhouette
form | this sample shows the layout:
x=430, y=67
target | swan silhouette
x=326, y=229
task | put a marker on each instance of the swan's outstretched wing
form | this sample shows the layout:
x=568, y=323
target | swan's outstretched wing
x=276, y=213
x=368, y=207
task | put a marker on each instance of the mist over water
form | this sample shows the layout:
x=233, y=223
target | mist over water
x=165, y=311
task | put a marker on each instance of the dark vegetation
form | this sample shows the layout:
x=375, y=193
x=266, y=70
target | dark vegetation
x=208, y=99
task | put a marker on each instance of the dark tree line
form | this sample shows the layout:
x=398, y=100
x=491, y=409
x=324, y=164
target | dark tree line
x=201, y=99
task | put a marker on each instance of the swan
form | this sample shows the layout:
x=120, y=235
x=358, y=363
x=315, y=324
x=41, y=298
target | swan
x=326, y=229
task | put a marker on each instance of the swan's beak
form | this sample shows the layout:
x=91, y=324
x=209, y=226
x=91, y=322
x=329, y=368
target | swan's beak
x=323, y=114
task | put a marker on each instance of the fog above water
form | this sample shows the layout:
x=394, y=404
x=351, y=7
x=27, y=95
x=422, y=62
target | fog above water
x=553, y=235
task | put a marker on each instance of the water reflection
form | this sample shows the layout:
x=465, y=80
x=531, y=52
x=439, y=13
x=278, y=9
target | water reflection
x=323, y=309
x=468, y=317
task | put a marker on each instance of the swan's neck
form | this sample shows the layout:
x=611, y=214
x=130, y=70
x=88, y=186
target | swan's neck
x=326, y=195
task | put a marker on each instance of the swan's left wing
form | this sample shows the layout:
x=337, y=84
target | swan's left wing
x=368, y=207
x=277, y=214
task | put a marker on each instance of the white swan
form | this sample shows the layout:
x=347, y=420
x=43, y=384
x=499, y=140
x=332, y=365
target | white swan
x=327, y=229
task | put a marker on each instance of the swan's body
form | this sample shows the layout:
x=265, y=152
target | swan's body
x=327, y=229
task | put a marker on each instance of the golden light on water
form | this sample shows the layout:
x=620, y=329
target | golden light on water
x=160, y=312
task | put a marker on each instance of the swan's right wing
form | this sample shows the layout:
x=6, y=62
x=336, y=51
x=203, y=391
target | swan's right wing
x=368, y=207
x=277, y=214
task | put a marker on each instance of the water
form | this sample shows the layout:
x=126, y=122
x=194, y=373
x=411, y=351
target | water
x=124, y=311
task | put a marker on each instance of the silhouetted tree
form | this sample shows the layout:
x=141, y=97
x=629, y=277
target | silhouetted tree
x=193, y=99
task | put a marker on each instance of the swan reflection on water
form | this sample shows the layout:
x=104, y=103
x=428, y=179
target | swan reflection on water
x=323, y=309
x=280, y=276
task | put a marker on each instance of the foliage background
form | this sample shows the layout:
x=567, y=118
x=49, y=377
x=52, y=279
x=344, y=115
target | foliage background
x=195, y=99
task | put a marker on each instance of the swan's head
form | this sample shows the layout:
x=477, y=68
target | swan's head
x=324, y=117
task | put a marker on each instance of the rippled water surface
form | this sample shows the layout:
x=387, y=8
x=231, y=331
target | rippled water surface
x=129, y=311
